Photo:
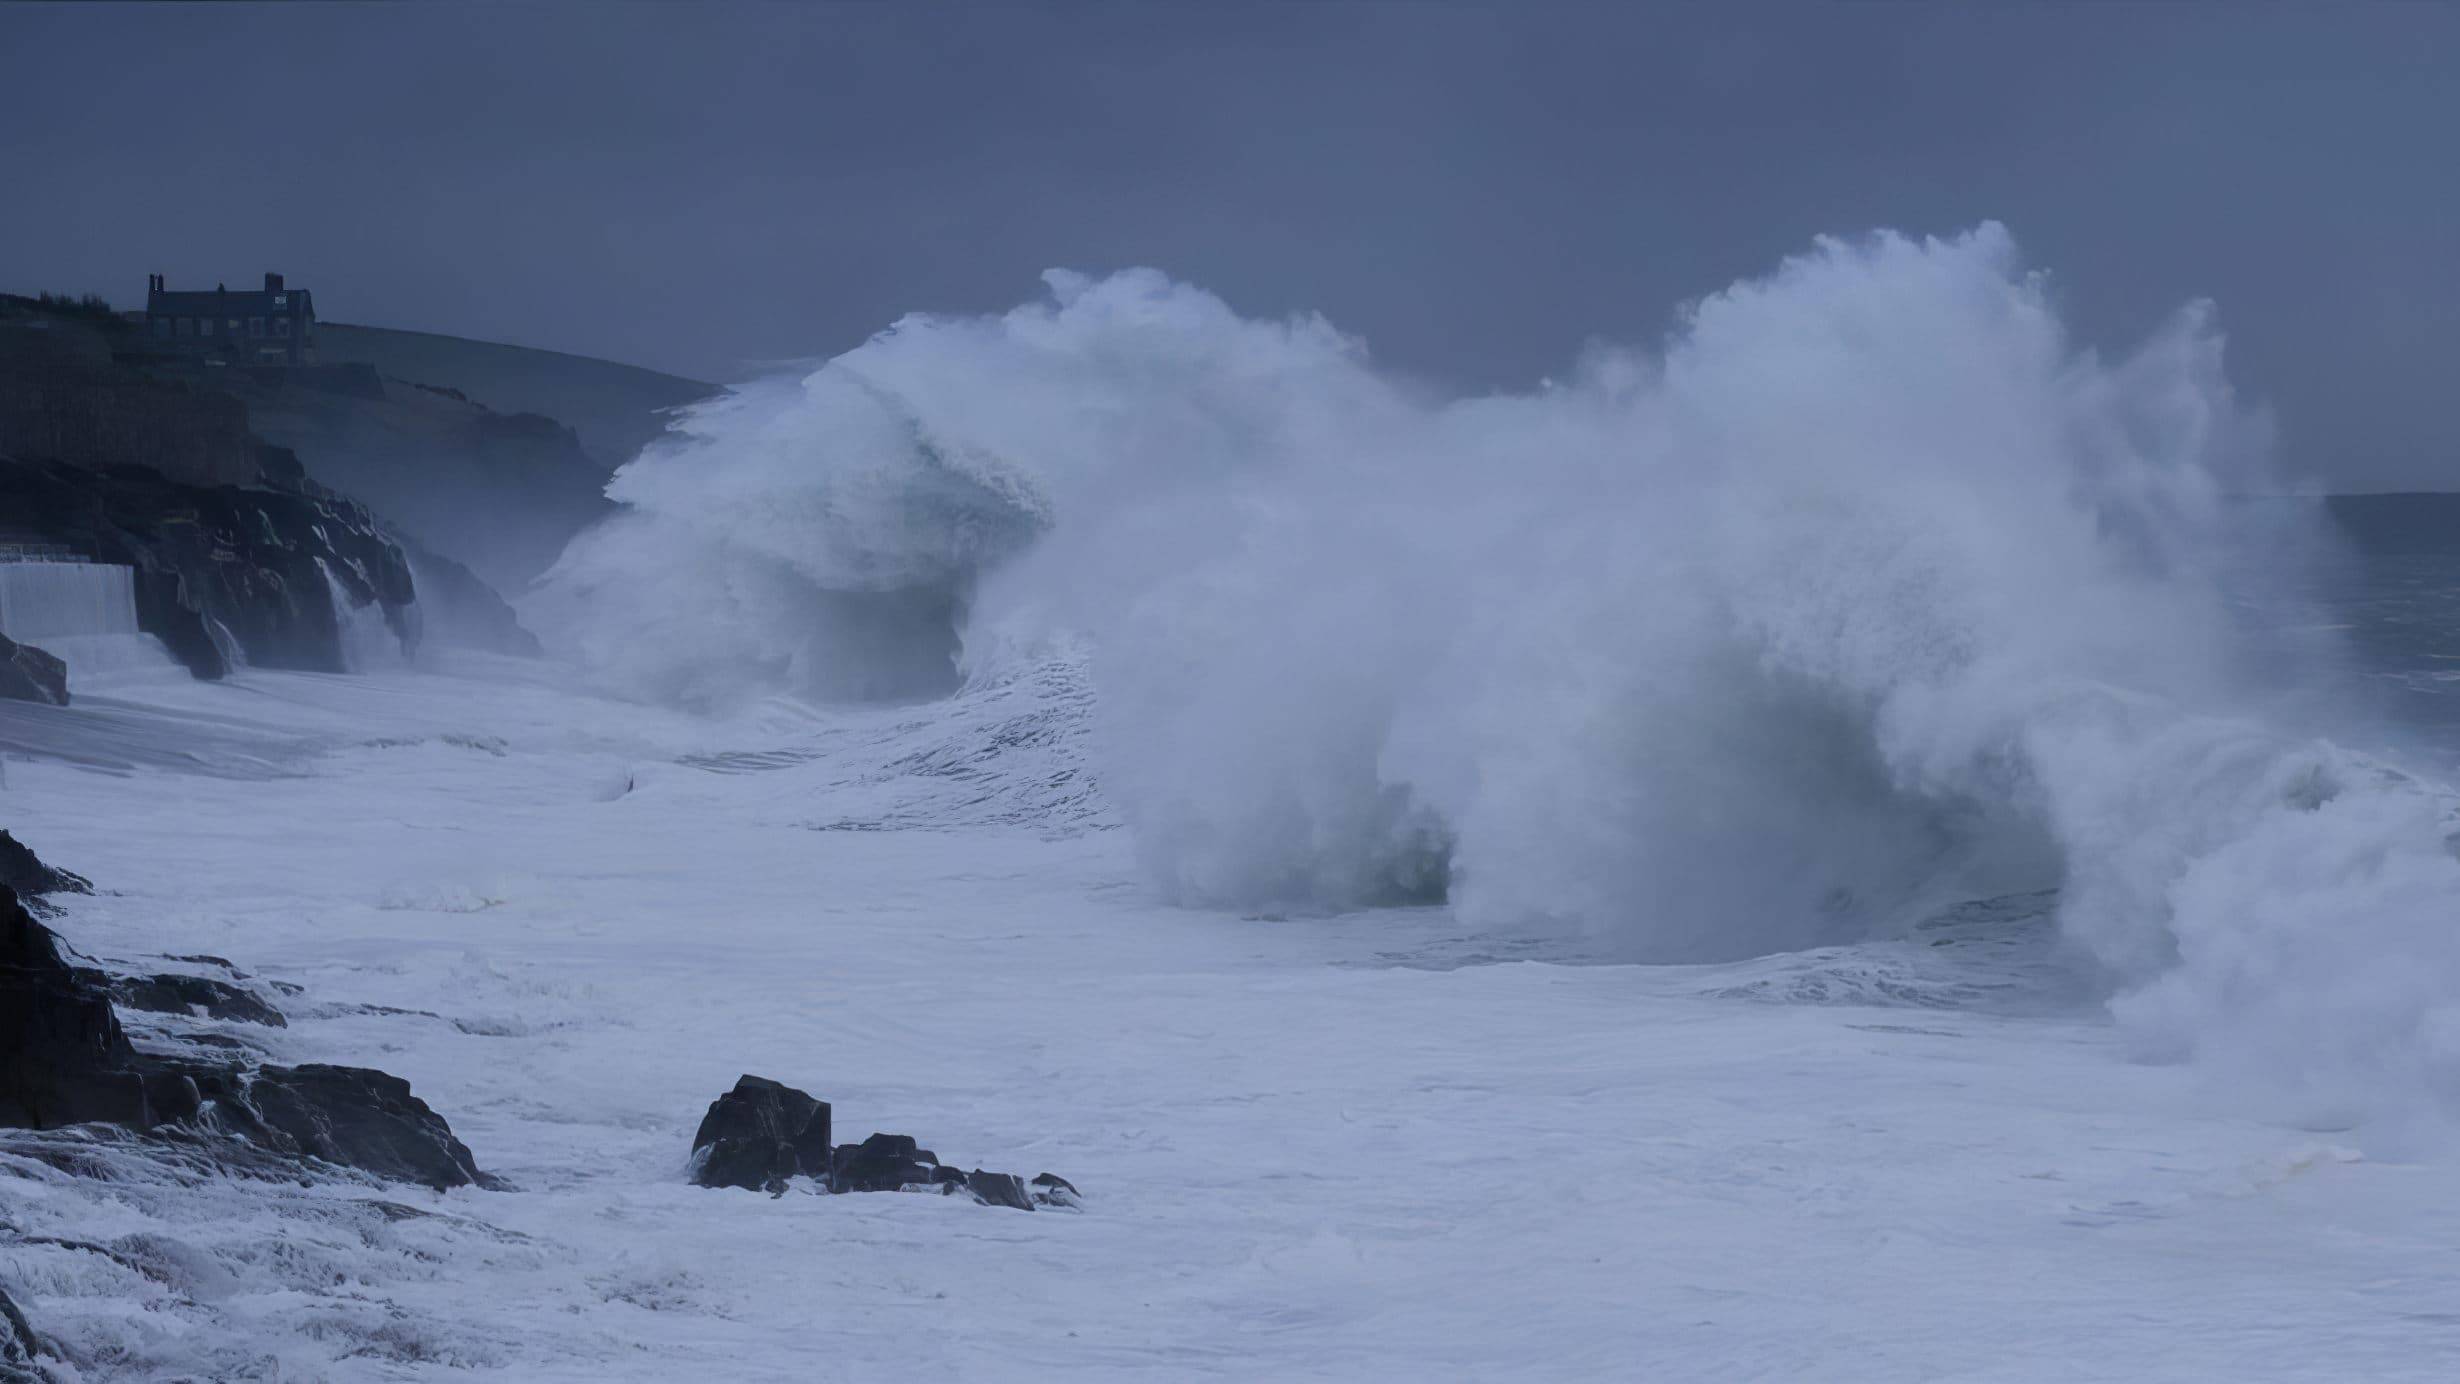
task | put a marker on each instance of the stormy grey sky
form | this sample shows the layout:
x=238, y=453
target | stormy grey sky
x=1477, y=190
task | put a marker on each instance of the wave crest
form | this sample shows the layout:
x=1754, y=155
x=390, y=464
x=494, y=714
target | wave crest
x=1868, y=593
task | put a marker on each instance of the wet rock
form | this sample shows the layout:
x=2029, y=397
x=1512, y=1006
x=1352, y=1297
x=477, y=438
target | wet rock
x=65, y=1060
x=201, y=1045
x=762, y=1133
x=883, y=1163
x=361, y=1118
x=29, y=674
x=195, y=995
x=758, y=1135
x=63, y=1057
x=23, y=871
x=26, y=945
x=999, y=1189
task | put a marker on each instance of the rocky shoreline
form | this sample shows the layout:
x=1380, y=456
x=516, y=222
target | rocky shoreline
x=75, y=1092
x=66, y=1061
x=198, y=1103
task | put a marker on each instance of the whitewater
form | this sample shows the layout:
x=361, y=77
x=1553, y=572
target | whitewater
x=1798, y=852
x=1869, y=593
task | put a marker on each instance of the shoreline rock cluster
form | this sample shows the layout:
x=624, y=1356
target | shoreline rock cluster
x=24, y=871
x=208, y=1104
x=65, y=1060
x=763, y=1134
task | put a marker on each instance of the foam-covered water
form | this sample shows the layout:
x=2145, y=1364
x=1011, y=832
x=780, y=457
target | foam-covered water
x=1312, y=1147
x=569, y=922
x=1868, y=594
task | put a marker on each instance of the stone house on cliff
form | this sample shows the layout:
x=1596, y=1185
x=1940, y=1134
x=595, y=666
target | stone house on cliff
x=275, y=326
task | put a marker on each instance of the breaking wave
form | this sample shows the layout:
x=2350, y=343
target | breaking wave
x=1869, y=592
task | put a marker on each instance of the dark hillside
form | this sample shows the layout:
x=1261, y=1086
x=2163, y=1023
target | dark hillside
x=614, y=408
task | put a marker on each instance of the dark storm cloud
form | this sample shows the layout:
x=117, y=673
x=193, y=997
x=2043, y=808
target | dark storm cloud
x=1475, y=190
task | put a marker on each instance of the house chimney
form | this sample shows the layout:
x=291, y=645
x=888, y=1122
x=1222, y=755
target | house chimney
x=273, y=283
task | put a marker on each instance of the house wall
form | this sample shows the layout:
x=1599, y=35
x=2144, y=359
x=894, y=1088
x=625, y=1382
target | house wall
x=276, y=325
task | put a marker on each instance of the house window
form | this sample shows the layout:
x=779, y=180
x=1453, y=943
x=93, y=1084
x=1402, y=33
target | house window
x=204, y=326
x=281, y=326
x=179, y=326
x=256, y=326
x=162, y=327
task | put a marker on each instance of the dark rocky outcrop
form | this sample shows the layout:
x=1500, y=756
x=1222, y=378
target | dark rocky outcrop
x=65, y=1060
x=63, y=1057
x=24, y=871
x=221, y=570
x=883, y=1163
x=762, y=1133
x=361, y=1118
x=999, y=1189
x=194, y=995
x=758, y=1135
x=29, y=674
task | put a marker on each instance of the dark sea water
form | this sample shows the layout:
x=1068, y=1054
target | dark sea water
x=2384, y=596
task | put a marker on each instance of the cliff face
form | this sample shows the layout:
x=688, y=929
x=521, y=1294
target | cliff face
x=447, y=439
x=239, y=555
x=223, y=572
x=501, y=493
